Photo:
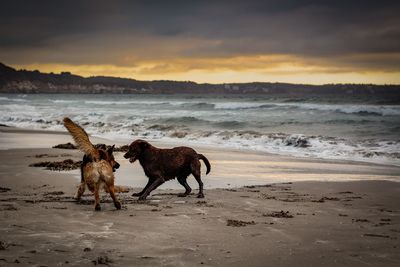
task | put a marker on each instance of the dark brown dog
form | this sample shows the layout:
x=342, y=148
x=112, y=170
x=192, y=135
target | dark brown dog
x=161, y=165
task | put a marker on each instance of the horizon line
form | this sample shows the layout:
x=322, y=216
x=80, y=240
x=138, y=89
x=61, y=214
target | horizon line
x=191, y=81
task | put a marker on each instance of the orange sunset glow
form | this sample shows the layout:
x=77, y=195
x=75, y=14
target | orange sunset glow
x=266, y=41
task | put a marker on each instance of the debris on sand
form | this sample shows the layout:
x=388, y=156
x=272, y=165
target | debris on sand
x=359, y=220
x=146, y=257
x=376, y=235
x=279, y=214
x=4, y=189
x=65, y=165
x=123, y=148
x=9, y=207
x=385, y=210
x=331, y=198
x=239, y=223
x=69, y=145
x=321, y=200
x=230, y=190
x=3, y=245
x=382, y=224
x=102, y=260
x=266, y=196
x=66, y=146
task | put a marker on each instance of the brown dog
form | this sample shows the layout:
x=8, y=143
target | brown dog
x=107, y=155
x=161, y=165
x=97, y=171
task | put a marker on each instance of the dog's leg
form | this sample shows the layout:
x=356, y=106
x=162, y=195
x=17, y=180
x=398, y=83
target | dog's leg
x=198, y=179
x=97, y=197
x=182, y=181
x=195, y=166
x=81, y=190
x=149, y=182
x=111, y=190
x=82, y=186
x=156, y=183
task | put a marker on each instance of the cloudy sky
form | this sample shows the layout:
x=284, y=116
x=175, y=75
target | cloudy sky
x=207, y=41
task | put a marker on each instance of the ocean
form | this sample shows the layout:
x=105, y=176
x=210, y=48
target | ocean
x=355, y=129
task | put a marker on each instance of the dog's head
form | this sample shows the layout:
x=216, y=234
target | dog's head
x=136, y=149
x=109, y=156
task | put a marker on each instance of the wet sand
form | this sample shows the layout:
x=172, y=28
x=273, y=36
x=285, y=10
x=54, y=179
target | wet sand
x=258, y=210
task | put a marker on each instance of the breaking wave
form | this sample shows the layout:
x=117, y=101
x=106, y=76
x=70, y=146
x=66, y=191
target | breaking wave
x=362, y=110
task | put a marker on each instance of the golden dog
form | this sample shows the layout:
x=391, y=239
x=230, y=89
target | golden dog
x=97, y=172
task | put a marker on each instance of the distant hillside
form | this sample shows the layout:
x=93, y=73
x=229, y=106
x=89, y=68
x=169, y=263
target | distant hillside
x=24, y=81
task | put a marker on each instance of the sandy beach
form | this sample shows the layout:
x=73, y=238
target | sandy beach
x=259, y=210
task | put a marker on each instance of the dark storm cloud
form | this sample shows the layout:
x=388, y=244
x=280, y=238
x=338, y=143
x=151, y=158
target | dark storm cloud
x=104, y=31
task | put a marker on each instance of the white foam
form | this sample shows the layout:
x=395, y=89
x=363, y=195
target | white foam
x=64, y=101
x=387, y=110
x=238, y=105
x=13, y=99
x=119, y=102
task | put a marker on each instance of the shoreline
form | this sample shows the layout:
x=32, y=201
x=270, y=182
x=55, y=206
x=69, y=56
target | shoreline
x=230, y=168
x=166, y=144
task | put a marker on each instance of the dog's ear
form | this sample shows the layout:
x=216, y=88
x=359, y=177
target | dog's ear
x=101, y=146
x=111, y=149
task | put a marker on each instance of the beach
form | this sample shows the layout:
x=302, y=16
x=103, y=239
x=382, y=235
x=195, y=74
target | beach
x=259, y=210
x=256, y=133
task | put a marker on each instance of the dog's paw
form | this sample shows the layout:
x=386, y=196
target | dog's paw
x=200, y=195
x=117, y=205
x=142, y=198
x=97, y=207
x=136, y=194
x=182, y=195
x=77, y=197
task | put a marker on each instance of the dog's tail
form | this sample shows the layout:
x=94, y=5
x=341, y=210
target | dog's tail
x=81, y=138
x=205, y=160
